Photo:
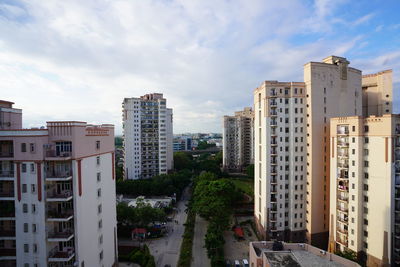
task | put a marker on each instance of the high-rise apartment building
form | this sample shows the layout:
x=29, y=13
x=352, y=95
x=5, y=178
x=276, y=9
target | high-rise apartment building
x=280, y=157
x=365, y=188
x=333, y=90
x=147, y=134
x=238, y=140
x=57, y=193
x=377, y=89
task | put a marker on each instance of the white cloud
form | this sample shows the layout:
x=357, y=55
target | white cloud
x=79, y=59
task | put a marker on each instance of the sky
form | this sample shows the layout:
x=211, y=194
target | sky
x=78, y=60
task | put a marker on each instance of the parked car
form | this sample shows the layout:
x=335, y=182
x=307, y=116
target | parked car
x=237, y=263
x=228, y=263
x=245, y=263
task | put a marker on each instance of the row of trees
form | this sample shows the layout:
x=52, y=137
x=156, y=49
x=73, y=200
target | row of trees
x=162, y=185
x=213, y=199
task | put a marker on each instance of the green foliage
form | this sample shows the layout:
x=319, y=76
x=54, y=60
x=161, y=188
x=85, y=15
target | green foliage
x=250, y=171
x=140, y=216
x=204, y=145
x=208, y=165
x=185, y=256
x=119, y=172
x=347, y=254
x=218, y=158
x=182, y=161
x=118, y=141
x=151, y=262
x=161, y=185
x=244, y=185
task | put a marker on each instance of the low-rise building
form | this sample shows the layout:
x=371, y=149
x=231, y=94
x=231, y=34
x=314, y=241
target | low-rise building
x=262, y=254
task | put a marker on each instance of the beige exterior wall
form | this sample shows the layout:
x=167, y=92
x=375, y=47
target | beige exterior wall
x=364, y=220
x=280, y=156
x=377, y=93
x=333, y=90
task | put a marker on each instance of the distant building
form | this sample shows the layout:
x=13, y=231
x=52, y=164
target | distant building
x=147, y=134
x=182, y=143
x=238, y=140
x=57, y=193
x=294, y=255
x=365, y=188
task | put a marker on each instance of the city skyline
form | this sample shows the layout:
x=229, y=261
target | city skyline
x=90, y=56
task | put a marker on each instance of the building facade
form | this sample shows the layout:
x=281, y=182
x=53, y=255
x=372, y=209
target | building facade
x=57, y=194
x=377, y=89
x=365, y=188
x=182, y=143
x=280, y=157
x=333, y=90
x=238, y=140
x=148, y=137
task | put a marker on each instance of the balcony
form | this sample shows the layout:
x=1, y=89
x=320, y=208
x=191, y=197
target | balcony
x=58, y=175
x=54, y=155
x=274, y=123
x=343, y=197
x=6, y=149
x=343, y=154
x=342, y=209
x=65, y=195
x=273, y=199
x=274, y=208
x=7, y=252
x=273, y=218
x=60, y=216
x=273, y=171
x=273, y=113
x=344, y=220
x=397, y=130
x=342, y=130
x=273, y=104
x=343, y=165
x=342, y=241
x=273, y=151
x=343, y=143
x=7, y=234
x=273, y=181
x=343, y=188
x=60, y=236
x=56, y=255
x=342, y=231
x=274, y=143
x=273, y=93
x=274, y=189
x=6, y=175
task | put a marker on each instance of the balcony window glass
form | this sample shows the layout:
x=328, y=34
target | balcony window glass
x=97, y=144
x=23, y=147
x=25, y=208
x=23, y=167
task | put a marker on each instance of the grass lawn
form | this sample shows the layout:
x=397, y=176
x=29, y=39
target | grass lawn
x=244, y=184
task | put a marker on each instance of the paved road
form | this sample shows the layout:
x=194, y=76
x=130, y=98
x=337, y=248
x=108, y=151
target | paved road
x=200, y=258
x=166, y=250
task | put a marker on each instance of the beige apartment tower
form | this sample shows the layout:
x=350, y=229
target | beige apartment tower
x=333, y=90
x=365, y=188
x=280, y=156
x=238, y=140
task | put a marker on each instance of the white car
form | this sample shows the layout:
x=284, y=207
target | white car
x=237, y=263
x=245, y=263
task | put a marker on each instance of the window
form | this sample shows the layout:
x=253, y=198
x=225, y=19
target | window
x=366, y=140
x=99, y=192
x=366, y=175
x=32, y=147
x=365, y=222
x=25, y=208
x=33, y=208
x=33, y=188
x=34, y=228
x=24, y=188
x=26, y=249
x=98, y=177
x=34, y=248
x=23, y=147
x=101, y=255
x=98, y=160
x=99, y=208
x=23, y=167
x=26, y=264
x=101, y=239
x=365, y=245
x=97, y=144
x=354, y=128
x=366, y=128
x=366, y=163
x=100, y=224
x=26, y=228
x=32, y=167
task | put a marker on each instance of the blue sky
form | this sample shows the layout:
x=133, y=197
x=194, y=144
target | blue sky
x=77, y=60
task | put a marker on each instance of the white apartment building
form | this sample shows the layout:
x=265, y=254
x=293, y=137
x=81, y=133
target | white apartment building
x=365, y=188
x=280, y=157
x=148, y=137
x=57, y=194
x=238, y=140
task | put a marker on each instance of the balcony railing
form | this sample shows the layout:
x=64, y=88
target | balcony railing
x=7, y=233
x=343, y=188
x=67, y=253
x=342, y=241
x=8, y=252
x=63, y=194
x=61, y=235
x=51, y=153
x=58, y=174
x=343, y=165
x=343, y=231
x=64, y=214
x=273, y=103
x=343, y=220
x=344, y=209
x=343, y=130
x=344, y=198
x=9, y=193
x=6, y=173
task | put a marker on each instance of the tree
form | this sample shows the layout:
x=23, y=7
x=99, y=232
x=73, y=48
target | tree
x=182, y=161
x=250, y=171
